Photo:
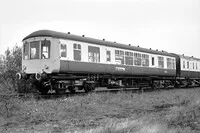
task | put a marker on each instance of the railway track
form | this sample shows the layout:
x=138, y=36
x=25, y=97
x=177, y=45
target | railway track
x=102, y=90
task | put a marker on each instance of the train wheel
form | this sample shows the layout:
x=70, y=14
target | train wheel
x=32, y=85
x=42, y=89
x=60, y=91
x=86, y=88
x=71, y=89
x=89, y=87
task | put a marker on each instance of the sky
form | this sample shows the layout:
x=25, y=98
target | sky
x=169, y=25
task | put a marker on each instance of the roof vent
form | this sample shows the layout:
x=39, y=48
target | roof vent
x=114, y=42
x=183, y=54
x=83, y=35
x=162, y=51
x=156, y=49
x=138, y=46
x=150, y=48
x=103, y=39
x=68, y=32
x=129, y=44
x=192, y=56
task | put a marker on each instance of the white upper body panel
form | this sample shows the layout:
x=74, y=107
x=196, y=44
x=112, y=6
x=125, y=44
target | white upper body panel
x=103, y=56
x=190, y=64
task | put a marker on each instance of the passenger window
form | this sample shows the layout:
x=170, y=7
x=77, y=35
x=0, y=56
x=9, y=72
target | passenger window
x=45, y=52
x=77, y=52
x=119, y=57
x=196, y=66
x=171, y=63
x=160, y=62
x=63, y=50
x=188, y=65
x=145, y=60
x=183, y=64
x=108, y=56
x=153, y=62
x=26, y=51
x=129, y=58
x=137, y=59
x=34, y=48
x=93, y=54
x=193, y=65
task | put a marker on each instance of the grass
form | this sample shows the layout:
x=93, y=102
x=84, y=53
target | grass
x=173, y=111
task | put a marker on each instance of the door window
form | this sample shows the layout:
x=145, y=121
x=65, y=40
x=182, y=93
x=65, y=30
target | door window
x=63, y=50
x=26, y=51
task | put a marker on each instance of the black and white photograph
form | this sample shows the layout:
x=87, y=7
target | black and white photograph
x=100, y=66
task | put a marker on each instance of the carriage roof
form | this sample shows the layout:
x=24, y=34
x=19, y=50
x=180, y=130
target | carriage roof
x=54, y=34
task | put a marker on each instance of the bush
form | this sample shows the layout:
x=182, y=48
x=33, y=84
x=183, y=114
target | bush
x=10, y=65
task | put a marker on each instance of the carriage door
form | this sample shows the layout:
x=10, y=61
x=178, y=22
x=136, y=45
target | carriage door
x=64, y=63
x=108, y=60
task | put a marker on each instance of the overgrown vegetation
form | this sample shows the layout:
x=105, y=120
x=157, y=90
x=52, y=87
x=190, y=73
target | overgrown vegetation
x=10, y=64
x=173, y=111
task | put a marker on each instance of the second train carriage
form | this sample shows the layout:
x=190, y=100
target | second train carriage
x=63, y=61
x=189, y=70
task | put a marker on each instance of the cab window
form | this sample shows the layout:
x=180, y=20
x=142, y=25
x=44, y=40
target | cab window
x=63, y=50
x=34, y=49
x=26, y=51
x=45, y=52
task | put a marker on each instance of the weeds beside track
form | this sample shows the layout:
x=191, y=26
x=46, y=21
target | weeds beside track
x=96, y=91
x=174, y=111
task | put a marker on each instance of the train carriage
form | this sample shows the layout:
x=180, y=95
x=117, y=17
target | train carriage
x=189, y=70
x=63, y=59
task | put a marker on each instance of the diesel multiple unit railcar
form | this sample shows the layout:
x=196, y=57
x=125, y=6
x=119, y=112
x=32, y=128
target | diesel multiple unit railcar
x=62, y=61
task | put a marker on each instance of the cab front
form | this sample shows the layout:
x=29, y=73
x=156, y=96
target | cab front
x=40, y=56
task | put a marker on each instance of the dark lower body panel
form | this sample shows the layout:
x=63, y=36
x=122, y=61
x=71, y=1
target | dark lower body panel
x=190, y=74
x=97, y=68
